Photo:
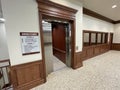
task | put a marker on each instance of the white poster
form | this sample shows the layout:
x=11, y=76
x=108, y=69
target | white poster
x=30, y=43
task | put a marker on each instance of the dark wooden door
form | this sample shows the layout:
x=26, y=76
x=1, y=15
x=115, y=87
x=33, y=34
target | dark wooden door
x=58, y=41
x=111, y=40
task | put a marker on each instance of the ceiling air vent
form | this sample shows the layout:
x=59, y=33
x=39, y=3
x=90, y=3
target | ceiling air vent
x=2, y=20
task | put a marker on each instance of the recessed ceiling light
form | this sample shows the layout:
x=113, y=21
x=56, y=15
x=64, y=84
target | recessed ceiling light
x=114, y=6
x=2, y=19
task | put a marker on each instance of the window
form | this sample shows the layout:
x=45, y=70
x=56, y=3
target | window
x=94, y=38
x=99, y=38
x=103, y=39
x=86, y=39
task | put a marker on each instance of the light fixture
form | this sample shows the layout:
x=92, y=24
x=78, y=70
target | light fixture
x=114, y=6
x=43, y=21
x=2, y=19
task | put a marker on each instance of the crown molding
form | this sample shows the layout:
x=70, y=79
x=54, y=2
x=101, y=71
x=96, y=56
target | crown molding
x=116, y=22
x=99, y=16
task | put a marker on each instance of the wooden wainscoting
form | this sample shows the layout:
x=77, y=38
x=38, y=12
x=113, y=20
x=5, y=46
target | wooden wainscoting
x=60, y=54
x=91, y=51
x=59, y=41
x=115, y=46
x=29, y=75
x=78, y=60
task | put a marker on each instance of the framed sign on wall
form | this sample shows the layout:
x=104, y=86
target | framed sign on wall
x=29, y=43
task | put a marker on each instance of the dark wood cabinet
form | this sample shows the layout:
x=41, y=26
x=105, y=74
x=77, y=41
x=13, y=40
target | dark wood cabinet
x=94, y=50
x=94, y=43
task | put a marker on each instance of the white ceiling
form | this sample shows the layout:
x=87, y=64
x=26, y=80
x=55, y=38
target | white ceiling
x=104, y=7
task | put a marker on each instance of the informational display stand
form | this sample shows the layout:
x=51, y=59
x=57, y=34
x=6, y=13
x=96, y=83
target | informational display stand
x=30, y=43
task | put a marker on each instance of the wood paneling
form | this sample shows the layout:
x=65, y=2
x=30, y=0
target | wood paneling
x=89, y=52
x=93, y=35
x=6, y=60
x=1, y=75
x=26, y=76
x=115, y=46
x=116, y=22
x=58, y=36
x=59, y=41
x=94, y=50
x=78, y=60
x=111, y=40
x=60, y=54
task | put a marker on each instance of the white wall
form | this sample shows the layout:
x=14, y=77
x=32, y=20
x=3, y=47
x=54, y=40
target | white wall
x=116, y=36
x=3, y=43
x=84, y=22
x=78, y=6
x=21, y=16
x=94, y=24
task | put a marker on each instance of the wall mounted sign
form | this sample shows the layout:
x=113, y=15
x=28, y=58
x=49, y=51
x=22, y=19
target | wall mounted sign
x=30, y=43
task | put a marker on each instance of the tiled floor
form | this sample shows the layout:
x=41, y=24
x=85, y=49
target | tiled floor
x=57, y=64
x=99, y=73
x=51, y=60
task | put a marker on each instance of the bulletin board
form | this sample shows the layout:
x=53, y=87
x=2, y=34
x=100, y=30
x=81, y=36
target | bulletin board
x=30, y=43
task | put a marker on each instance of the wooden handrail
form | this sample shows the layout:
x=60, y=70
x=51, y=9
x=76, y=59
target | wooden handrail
x=6, y=60
x=1, y=75
x=62, y=51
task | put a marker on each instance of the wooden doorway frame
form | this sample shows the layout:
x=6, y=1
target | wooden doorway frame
x=53, y=10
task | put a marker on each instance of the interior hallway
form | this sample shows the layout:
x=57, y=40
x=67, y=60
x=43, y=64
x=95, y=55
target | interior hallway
x=99, y=73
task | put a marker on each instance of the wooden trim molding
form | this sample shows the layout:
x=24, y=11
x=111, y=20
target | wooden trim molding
x=111, y=39
x=5, y=63
x=6, y=60
x=89, y=43
x=115, y=46
x=27, y=76
x=56, y=10
x=99, y=16
x=87, y=31
x=55, y=5
x=116, y=22
x=60, y=54
x=59, y=50
x=91, y=51
x=96, y=15
x=78, y=60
